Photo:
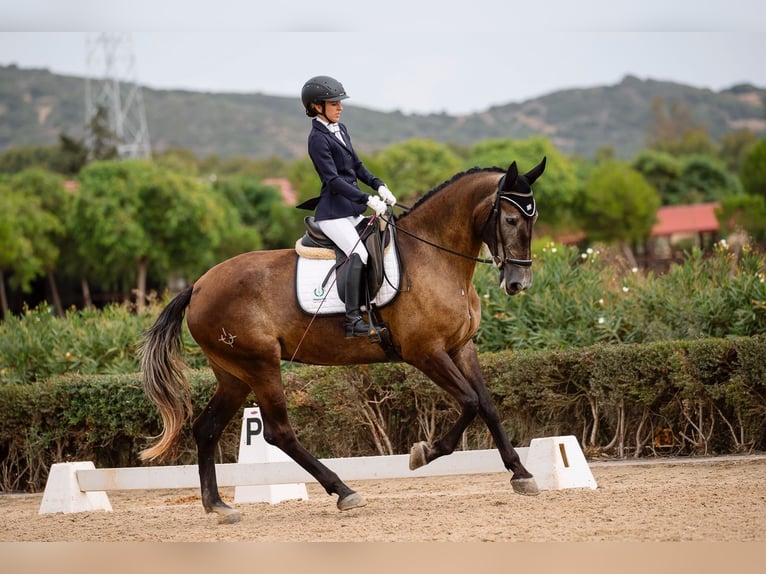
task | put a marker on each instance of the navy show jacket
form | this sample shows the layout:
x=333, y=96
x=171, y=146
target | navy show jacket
x=338, y=168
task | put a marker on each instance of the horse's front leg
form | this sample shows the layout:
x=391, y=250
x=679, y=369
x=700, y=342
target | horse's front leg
x=441, y=369
x=467, y=360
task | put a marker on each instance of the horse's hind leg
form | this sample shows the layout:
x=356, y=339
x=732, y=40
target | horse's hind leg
x=207, y=428
x=278, y=431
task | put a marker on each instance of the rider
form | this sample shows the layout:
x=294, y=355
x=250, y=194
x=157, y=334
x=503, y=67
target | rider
x=341, y=203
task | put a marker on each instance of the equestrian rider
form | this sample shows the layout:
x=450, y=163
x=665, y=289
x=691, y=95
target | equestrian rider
x=341, y=203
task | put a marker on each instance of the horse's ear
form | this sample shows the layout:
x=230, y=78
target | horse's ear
x=535, y=172
x=509, y=181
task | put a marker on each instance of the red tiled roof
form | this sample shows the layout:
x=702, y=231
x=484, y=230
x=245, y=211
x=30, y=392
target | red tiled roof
x=289, y=195
x=696, y=218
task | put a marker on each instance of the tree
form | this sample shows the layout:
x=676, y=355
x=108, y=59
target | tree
x=686, y=179
x=41, y=188
x=25, y=247
x=66, y=158
x=618, y=205
x=103, y=140
x=260, y=168
x=663, y=172
x=132, y=217
x=752, y=174
x=412, y=168
x=557, y=190
x=261, y=207
x=14, y=247
x=304, y=179
x=178, y=159
x=704, y=178
x=673, y=130
x=17, y=159
x=744, y=213
x=70, y=156
x=734, y=148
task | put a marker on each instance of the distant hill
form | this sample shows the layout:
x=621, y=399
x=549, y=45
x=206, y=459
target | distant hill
x=36, y=105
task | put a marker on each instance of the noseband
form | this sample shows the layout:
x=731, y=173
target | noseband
x=525, y=203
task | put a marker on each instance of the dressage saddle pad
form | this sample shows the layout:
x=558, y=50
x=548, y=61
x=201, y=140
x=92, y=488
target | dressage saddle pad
x=315, y=298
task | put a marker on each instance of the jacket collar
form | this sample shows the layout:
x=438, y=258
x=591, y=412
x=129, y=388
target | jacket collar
x=322, y=127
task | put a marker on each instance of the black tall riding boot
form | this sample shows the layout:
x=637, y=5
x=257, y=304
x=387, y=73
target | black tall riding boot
x=356, y=326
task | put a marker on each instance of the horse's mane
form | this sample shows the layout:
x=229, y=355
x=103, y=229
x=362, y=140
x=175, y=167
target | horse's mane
x=447, y=183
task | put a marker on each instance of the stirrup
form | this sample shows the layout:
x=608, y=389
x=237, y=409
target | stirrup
x=358, y=327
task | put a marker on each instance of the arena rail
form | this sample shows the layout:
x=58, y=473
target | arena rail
x=556, y=462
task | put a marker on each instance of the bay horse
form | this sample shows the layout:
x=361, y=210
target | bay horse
x=244, y=315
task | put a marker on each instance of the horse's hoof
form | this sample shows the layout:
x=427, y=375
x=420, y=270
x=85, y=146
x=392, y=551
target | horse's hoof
x=350, y=501
x=225, y=513
x=525, y=486
x=230, y=517
x=418, y=455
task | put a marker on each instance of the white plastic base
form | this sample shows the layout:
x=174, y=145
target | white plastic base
x=63, y=494
x=254, y=448
x=558, y=463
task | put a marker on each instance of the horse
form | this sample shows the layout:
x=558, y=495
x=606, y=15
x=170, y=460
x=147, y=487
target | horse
x=246, y=321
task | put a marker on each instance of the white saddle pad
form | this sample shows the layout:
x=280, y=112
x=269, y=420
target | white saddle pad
x=314, y=299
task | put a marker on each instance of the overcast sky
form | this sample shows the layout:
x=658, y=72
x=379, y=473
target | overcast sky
x=418, y=56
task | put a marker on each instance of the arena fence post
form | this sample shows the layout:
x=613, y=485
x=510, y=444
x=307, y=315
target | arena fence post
x=63, y=494
x=254, y=448
x=558, y=462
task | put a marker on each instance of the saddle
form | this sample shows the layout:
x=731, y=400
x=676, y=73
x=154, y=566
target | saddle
x=316, y=253
x=377, y=238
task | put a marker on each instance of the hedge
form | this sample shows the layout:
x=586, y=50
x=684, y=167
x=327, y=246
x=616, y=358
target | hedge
x=691, y=398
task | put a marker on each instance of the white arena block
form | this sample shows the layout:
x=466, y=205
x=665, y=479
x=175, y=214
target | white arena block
x=63, y=494
x=558, y=463
x=254, y=448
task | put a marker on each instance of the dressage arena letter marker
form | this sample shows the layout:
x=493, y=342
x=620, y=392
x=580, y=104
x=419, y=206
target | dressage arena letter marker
x=558, y=462
x=254, y=448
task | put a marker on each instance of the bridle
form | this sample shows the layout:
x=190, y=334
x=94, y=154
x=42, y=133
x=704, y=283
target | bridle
x=524, y=202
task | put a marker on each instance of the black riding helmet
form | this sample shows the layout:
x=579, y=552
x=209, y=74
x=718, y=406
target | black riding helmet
x=320, y=89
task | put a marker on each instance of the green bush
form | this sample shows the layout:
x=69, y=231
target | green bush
x=38, y=345
x=576, y=300
x=103, y=418
x=703, y=397
x=581, y=299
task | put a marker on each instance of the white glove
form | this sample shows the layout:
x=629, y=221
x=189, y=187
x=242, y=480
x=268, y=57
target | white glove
x=377, y=205
x=386, y=195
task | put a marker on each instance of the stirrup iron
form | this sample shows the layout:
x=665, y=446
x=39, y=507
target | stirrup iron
x=358, y=327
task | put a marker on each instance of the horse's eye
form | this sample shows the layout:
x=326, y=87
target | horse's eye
x=512, y=220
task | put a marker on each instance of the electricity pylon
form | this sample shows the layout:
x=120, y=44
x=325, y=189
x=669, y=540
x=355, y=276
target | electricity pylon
x=111, y=84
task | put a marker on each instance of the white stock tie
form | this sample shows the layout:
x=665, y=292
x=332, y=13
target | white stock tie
x=335, y=128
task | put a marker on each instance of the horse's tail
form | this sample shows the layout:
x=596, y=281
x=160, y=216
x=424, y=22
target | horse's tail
x=163, y=378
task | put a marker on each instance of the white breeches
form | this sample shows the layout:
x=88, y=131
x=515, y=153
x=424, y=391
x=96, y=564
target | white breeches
x=343, y=233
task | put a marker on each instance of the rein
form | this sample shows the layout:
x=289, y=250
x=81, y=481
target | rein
x=496, y=259
x=392, y=223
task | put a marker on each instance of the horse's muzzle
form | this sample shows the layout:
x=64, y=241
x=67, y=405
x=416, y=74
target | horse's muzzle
x=515, y=279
